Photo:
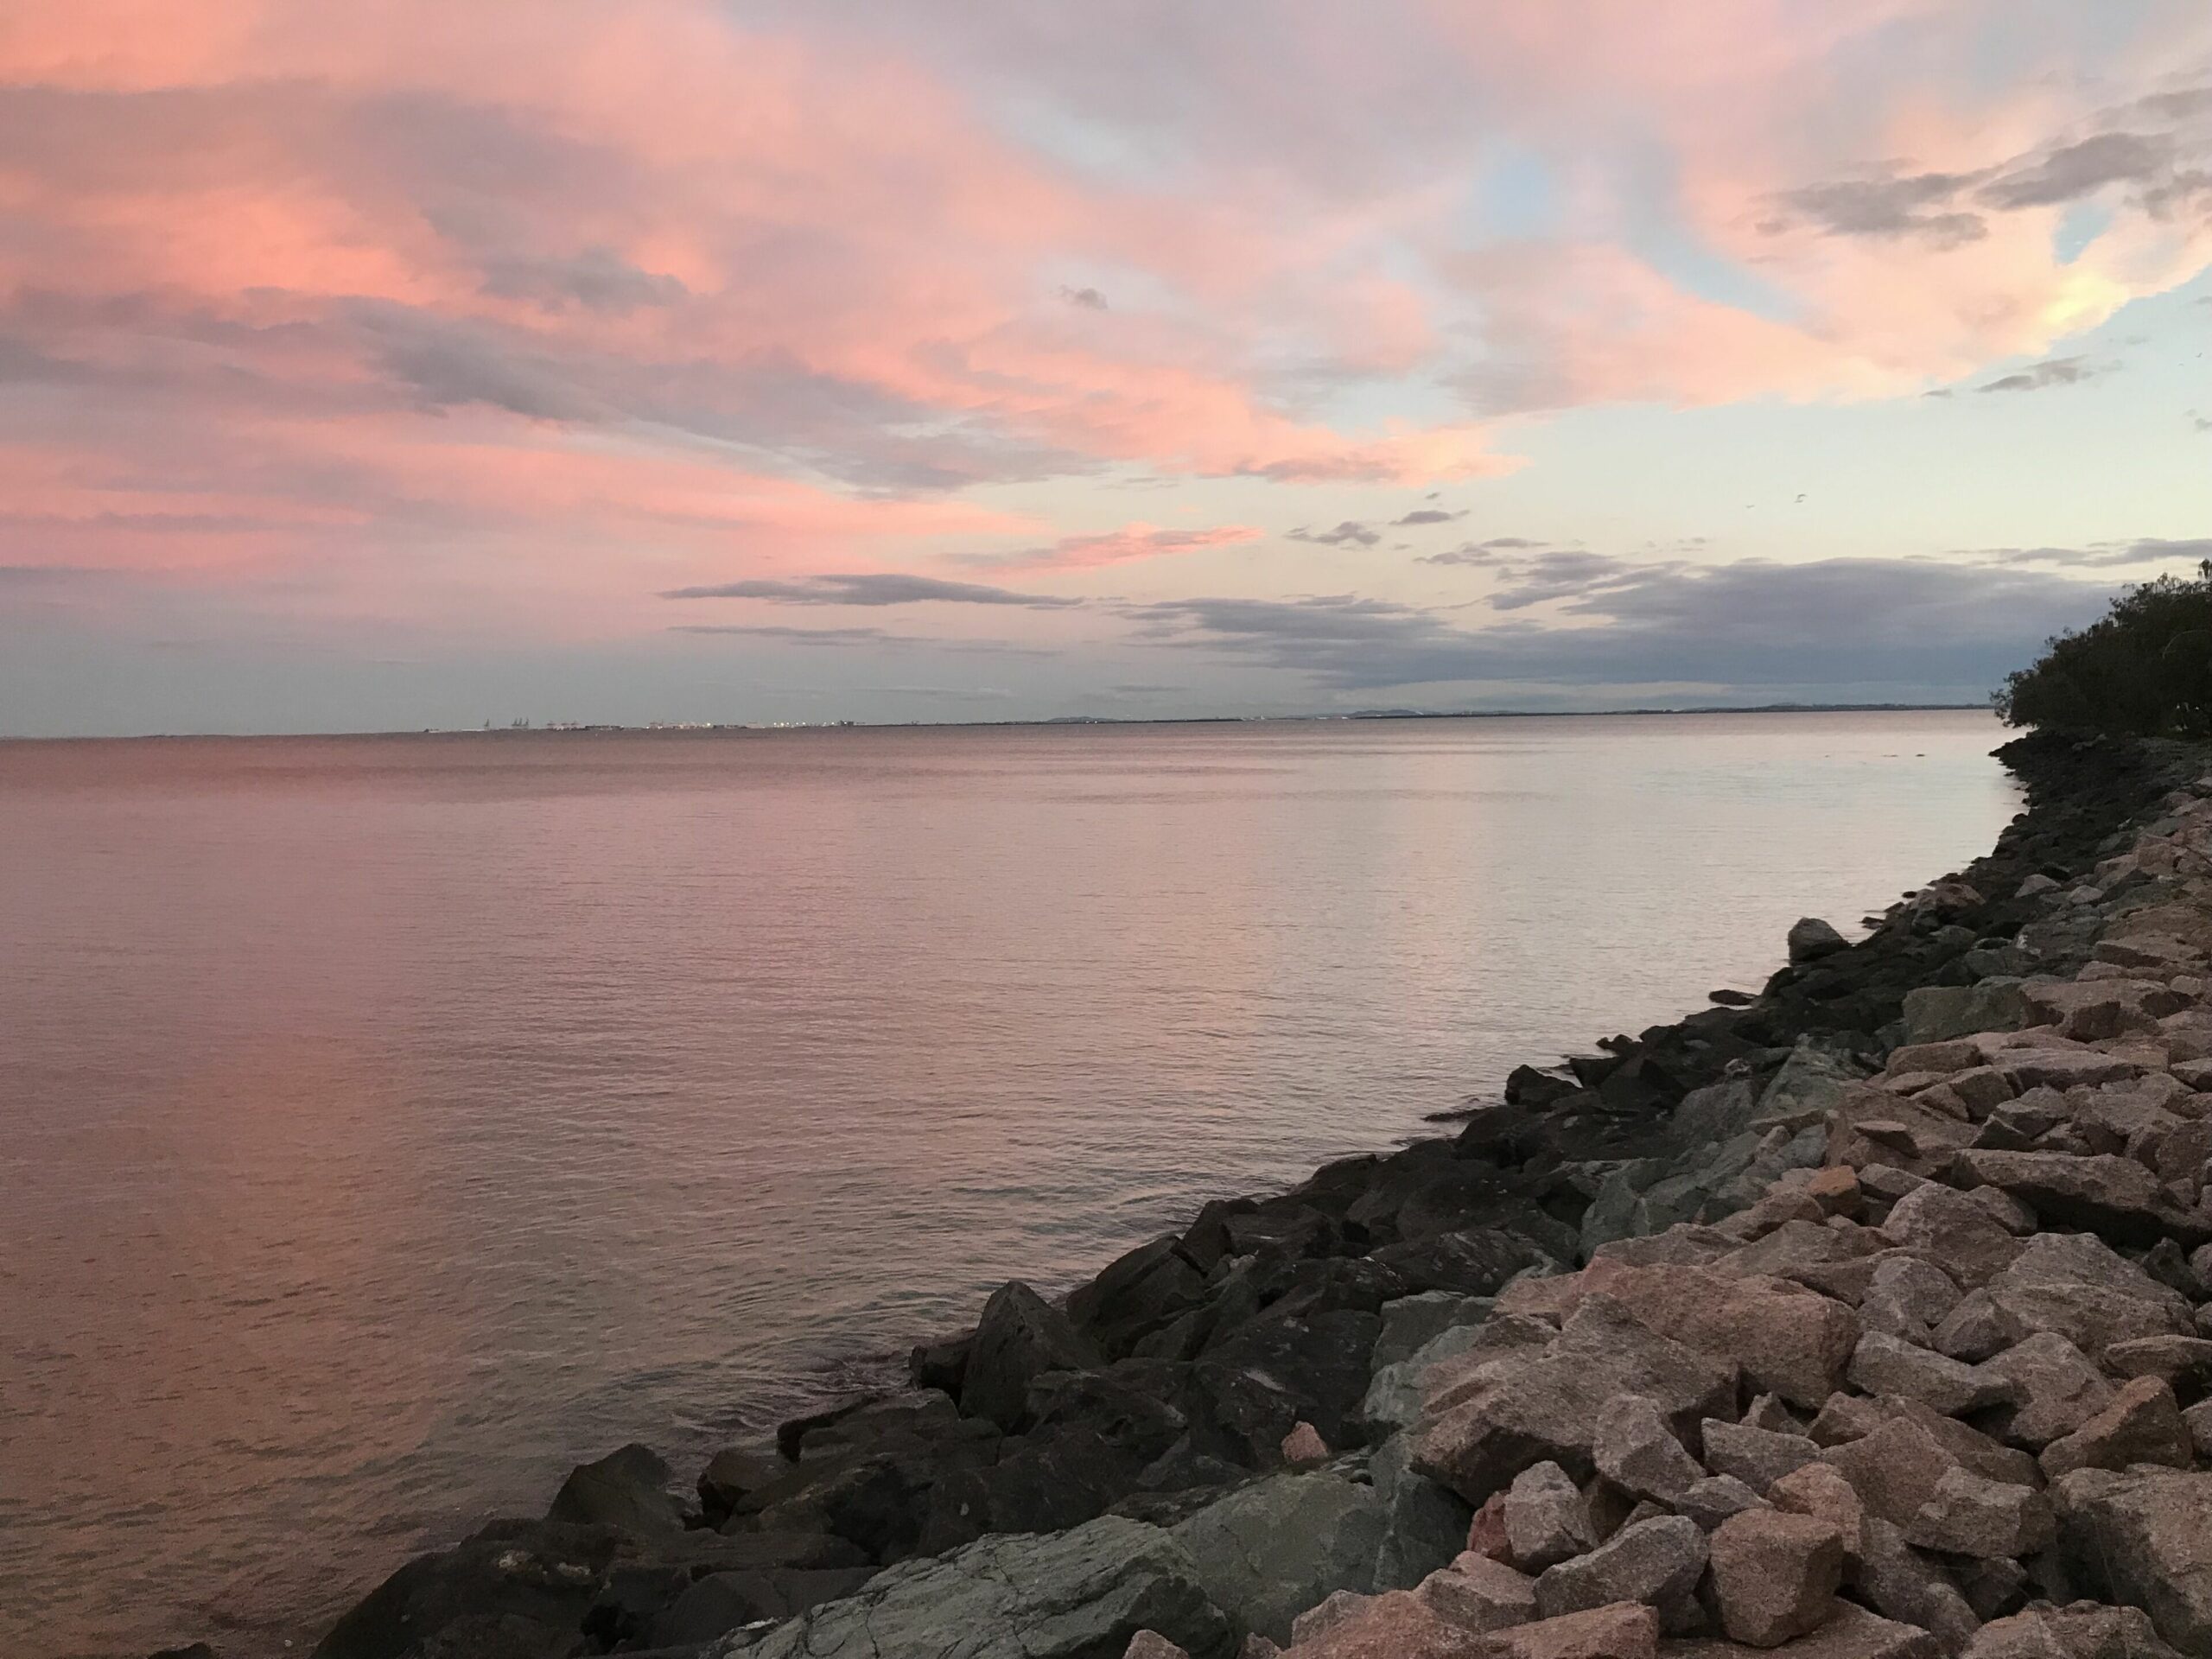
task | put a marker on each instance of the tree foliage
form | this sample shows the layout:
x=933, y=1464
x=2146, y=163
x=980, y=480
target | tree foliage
x=2145, y=668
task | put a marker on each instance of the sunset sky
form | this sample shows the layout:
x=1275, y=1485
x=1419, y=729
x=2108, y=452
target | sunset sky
x=394, y=365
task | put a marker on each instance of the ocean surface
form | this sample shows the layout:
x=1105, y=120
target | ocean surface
x=388, y=1124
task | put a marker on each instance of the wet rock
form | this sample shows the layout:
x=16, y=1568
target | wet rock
x=1970, y=1514
x=540, y=1577
x=1757, y=1457
x=729, y=1475
x=1547, y=1518
x=1019, y=1339
x=2142, y=1425
x=1811, y=939
x=1887, y=1364
x=630, y=1488
x=1657, y=1562
x=1775, y=1575
x=1635, y=1449
x=1136, y=1294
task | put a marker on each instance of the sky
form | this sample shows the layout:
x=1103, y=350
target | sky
x=385, y=366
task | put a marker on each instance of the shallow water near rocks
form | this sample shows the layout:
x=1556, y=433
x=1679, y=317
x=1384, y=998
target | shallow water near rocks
x=389, y=1123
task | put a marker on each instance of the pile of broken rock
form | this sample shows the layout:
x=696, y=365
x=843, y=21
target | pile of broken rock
x=1943, y=1394
x=1882, y=1340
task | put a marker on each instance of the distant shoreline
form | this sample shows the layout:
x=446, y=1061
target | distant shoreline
x=714, y=728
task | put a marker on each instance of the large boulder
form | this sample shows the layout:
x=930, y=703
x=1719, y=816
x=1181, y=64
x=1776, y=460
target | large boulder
x=1636, y=1451
x=1850, y=1632
x=2054, y=1388
x=1934, y=1013
x=2076, y=1285
x=1949, y=1228
x=1257, y=1381
x=538, y=1579
x=2145, y=1537
x=1019, y=1339
x=1775, y=1575
x=1811, y=939
x=632, y=1488
x=1657, y=1562
x=1082, y=1594
x=1270, y=1550
x=1486, y=1425
x=1137, y=1294
x=2141, y=1425
x=1789, y=1340
x=2103, y=1192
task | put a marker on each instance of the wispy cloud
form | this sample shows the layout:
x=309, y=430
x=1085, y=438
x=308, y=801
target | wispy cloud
x=1428, y=516
x=1131, y=542
x=877, y=587
x=2102, y=555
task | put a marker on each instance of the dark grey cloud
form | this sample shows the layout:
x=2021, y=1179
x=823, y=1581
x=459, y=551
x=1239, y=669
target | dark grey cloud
x=1488, y=555
x=874, y=588
x=2103, y=556
x=1350, y=533
x=1916, y=206
x=2052, y=371
x=1565, y=573
x=1089, y=298
x=1863, y=623
x=2076, y=170
x=1429, y=516
x=2154, y=147
x=858, y=639
x=598, y=279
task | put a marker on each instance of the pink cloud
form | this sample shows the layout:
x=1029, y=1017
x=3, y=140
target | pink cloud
x=592, y=295
x=1122, y=546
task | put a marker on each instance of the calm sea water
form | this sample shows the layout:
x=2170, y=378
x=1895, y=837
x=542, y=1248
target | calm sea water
x=388, y=1124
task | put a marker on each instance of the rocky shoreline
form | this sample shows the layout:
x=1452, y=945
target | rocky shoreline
x=1861, y=1319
